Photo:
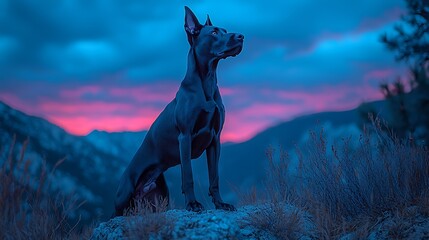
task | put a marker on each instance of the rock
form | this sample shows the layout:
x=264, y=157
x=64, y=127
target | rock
x=182, y=224
x=113, y=229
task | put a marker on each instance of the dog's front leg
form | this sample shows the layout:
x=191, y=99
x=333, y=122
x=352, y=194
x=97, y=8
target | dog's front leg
x=187, y=177
x=213, y=155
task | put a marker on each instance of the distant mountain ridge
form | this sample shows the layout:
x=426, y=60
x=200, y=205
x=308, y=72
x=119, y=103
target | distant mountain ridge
x=120, y=144
x=95, y=162
x=87, y=172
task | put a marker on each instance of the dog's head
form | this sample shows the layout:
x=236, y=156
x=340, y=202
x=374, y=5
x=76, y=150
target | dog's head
x=212, y=41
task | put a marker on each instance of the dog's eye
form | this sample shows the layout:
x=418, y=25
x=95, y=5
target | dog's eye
x=214, y=33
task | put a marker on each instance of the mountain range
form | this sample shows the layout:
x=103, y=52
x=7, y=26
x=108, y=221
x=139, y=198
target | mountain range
x=94, y=163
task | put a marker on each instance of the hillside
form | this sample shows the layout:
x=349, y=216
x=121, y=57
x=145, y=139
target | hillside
x=87, y=172
x=95, y=162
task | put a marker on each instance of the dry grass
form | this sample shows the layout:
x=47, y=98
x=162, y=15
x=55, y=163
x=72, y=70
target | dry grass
x=247, y=196
x=279, y=186
x=400, y=224
x=147, y=220
x=28, y=211
x=274, y=217
x=278, y=221
x=423, y=203
x=347, y=185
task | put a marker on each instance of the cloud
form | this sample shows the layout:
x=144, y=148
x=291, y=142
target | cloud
x=329, y=61
x=249, y=109
x=82, y=57
x=90, y=61
x=141, y=37
x=7, y=46
x=55, y=34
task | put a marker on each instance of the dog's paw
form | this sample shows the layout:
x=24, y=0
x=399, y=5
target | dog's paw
x=194, y=206
x=225, y=206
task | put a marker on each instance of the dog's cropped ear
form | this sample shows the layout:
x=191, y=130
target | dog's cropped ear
x=192, y=26
x=208, y=22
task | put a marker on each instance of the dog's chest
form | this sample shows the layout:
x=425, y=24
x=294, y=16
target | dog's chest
x=209, y=119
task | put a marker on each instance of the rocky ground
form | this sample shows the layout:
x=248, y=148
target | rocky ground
x=210, y=224
x=410, y=223
x=255, y=222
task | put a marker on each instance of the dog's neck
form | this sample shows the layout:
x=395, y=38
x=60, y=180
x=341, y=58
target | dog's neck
x=206, y=70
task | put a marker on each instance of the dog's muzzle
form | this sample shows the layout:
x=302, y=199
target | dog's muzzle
x=237, y=46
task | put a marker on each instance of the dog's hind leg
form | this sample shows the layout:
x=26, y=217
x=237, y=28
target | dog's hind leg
x=131, y=182
x=147, y=182
x=153, y=191
x=142, y=163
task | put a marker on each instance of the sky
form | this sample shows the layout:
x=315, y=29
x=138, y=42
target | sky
x=114, y=65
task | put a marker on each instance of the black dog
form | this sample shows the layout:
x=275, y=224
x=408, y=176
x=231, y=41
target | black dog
x=188, y=126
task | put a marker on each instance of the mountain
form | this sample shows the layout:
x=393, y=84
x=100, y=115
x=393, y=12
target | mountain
x=94, y=163
x=87, y=172
x=120, y=144
x=250, y=156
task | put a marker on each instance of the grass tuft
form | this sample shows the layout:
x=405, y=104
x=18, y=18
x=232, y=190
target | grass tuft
x=28, y=210
x=147, y=220
x=278, y=221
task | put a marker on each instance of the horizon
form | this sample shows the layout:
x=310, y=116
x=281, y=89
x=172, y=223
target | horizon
x=223, y=141
x=118, y=65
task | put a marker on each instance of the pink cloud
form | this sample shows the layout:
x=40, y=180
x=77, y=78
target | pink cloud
x=80, y=107
x=379, y=74
x=227, y=91
x=145, y=93
x=157, y=92
x=333, y=98
x=238, y=129
x=249, y=109
x=244, y=122
x=82, y=125
x=388, y=16
x=267, y=110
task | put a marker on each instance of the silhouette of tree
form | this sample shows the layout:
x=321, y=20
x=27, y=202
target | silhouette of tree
x=409, y=110
x=395, y=95
x=411, y=39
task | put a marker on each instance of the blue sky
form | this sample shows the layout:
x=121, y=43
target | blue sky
x=114, y=65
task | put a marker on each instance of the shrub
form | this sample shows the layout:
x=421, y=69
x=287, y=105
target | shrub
x=28, y=211
x=348, y=184
x=276, y=216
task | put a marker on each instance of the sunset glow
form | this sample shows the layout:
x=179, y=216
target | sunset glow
x=117, y=65
x=270, y=106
